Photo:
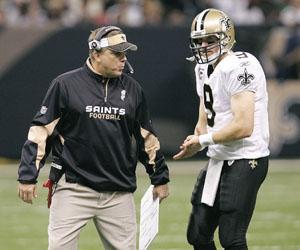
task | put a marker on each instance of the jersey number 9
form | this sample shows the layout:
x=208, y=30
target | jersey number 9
x=208, y=102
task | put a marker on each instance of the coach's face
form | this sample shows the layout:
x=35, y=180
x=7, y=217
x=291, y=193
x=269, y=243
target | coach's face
x=110, y=63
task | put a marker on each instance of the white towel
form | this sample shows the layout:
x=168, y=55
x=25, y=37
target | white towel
x=212, y=179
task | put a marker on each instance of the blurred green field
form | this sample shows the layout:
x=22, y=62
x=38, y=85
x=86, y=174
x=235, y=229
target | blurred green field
x=275, y=224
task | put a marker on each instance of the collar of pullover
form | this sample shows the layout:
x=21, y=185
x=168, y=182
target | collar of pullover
x=92, y=72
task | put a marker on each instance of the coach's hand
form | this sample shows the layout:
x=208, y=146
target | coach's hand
x=161, y=192
x=189, y=147
x=27, y=192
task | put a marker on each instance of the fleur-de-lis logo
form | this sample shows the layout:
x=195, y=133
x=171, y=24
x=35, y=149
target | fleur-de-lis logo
x=253, y=163
x=123, y=94
x=43, y=110
x=201, y=73
x=225, y=22
x=245, y=78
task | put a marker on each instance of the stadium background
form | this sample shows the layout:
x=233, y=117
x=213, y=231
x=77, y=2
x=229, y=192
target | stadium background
x=32, y=56
x=160, y=67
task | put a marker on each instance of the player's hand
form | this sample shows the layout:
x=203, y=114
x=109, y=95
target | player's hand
x=189, y=147
x=27, y=192
x=161, y=192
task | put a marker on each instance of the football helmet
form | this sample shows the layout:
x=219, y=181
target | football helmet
x=212, y=34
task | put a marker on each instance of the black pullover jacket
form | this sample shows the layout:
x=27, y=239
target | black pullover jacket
x=89, y=122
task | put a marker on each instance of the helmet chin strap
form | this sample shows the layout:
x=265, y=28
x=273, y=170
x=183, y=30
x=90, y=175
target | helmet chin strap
x=203, y=58
x=212, y=59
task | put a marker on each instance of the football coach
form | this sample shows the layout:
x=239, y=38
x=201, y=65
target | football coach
x=89, y=118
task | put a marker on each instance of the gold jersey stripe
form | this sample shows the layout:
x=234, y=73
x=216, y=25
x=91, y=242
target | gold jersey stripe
x=39, y=135
x=151, y=145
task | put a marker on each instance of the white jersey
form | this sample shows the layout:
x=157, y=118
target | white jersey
x=237, y=72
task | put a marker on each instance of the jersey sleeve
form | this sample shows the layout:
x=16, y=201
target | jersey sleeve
x=148, y=146
x=243, y=76
x=37, y=145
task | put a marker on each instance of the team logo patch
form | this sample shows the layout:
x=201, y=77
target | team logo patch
x=201, y=73
x=43, y=110
x=123, y=94
x=253, y=163
x=225, y=22
x=245, y=78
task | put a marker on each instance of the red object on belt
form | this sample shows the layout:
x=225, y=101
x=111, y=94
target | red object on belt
x=49, y=184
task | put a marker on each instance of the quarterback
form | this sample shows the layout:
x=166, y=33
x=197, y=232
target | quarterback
x=233, y=125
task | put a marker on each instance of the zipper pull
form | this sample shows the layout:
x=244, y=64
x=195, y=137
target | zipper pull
x=106, y=90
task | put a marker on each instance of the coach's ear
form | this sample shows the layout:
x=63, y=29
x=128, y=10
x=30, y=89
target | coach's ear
x=97, y=55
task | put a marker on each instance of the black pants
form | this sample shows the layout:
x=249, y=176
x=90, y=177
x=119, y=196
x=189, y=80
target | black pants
x=233, y=206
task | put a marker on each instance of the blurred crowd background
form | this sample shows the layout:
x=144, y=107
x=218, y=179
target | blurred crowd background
x=135, y=13
x=40, y=39
x=283, y=16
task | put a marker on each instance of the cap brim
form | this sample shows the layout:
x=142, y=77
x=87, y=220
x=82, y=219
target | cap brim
x=123, y=47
